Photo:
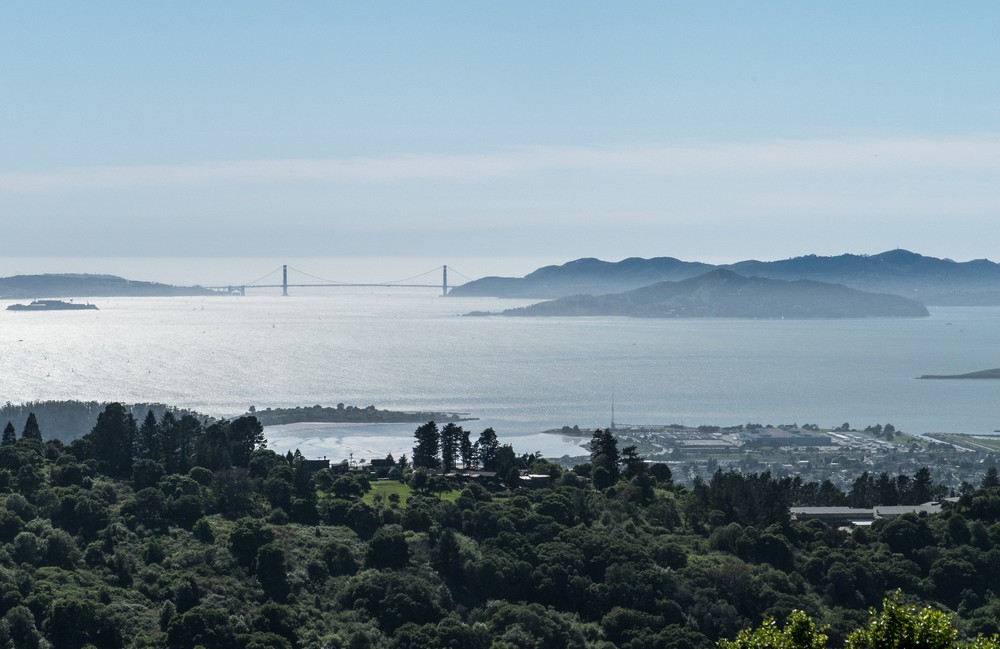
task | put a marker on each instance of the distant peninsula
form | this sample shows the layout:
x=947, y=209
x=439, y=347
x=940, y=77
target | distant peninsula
x=68, y=285
x=929, y=280
x=725, y=294
x=983, y=374
x=350, y=415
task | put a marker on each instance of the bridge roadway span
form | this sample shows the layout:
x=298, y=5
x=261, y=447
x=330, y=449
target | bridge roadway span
x=241, y=289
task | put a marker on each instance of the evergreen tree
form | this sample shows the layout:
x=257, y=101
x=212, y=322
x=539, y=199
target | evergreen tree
x=189, y=431
x=488, y=446
x=10, y=435
x=451, y=439
x=148, y=443
x=211, y=449
x=632, y=462
x=31, y=429
x=604, y=453
x=113, y=437
x=245, y=435
x=169, y=442
x=466, y=450
x=425, y=453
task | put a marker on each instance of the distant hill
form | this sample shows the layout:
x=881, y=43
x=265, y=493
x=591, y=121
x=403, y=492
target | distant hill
x=927, y=279
x=724, y=294
x=85, y=285
x=585, y=276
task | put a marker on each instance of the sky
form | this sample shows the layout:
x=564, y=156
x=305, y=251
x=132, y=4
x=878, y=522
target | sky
x=711, y=131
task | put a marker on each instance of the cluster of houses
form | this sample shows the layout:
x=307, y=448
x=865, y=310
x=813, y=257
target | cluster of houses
x=386, y=469
x=851, y=517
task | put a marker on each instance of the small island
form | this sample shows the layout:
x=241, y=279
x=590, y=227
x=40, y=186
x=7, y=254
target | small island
x=350, y=415
x=983, y=374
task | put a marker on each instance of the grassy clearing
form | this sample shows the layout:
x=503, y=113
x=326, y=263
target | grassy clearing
x=387, y=487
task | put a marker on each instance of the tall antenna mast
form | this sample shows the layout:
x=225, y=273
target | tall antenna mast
x=612, y=407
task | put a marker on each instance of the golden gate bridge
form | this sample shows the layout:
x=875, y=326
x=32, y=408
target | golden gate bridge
x=321, y=282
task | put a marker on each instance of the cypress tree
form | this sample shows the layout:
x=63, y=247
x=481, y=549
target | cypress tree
x=31, y=429
x=9, y=435
x=425, y=453
x=148, y=442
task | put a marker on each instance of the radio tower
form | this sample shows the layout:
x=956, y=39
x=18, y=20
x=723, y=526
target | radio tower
x=612, y=407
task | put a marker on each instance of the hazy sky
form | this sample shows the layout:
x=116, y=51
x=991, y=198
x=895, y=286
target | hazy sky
x=702, y=130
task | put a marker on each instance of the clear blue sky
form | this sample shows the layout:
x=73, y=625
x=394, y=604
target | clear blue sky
x=702, y=130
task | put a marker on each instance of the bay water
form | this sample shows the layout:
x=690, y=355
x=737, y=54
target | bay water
x=411, y=349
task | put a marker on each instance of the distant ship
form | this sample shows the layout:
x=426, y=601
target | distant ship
x=52, y=305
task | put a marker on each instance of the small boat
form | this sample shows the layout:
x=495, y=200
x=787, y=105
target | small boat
x=52, y=305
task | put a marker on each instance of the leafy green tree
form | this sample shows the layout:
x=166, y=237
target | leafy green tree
x=799, y=632
x=247, y=537
x=428, y=444
x=202, y=626
x=388, y=548
x=899, y=625
x=269, y=566
x=21, y=625
x=74, y=622
x=339, y=559
x=31, y=430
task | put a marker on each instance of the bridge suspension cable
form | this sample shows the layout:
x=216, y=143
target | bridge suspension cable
x=451, y=269
x=316, y=277
x=263, y=277
x=407, y=279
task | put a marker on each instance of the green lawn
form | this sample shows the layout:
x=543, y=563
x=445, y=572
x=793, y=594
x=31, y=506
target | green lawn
x=387, y=487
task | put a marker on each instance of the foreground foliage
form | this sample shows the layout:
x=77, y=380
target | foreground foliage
x=171, y=533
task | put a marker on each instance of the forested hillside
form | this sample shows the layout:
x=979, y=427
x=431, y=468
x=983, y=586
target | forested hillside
x=170, y=533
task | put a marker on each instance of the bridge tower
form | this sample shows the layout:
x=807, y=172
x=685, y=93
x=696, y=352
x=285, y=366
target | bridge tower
x=444, y=281
x=284, y=280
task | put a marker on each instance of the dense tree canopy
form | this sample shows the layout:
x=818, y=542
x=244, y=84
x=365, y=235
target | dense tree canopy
x=209, y=539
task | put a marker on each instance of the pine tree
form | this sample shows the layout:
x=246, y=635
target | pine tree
x=428, y=442
x=451, y=437
x=31, y=429
x=113, y=437
x=467, y=451
x=604, y=453
x=9, y=435
x=169, y=443
x=488, y=445
x=148, y=443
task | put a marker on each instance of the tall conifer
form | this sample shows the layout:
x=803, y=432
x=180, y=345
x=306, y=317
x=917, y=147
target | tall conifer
x=9, y=435
x=31, y=429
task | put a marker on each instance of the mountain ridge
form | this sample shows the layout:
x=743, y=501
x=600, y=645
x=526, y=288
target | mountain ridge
x=50, y=285
x=722, y=293
x=930, y=280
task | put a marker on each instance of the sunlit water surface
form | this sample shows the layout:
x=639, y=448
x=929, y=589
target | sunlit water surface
x=409, y=349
